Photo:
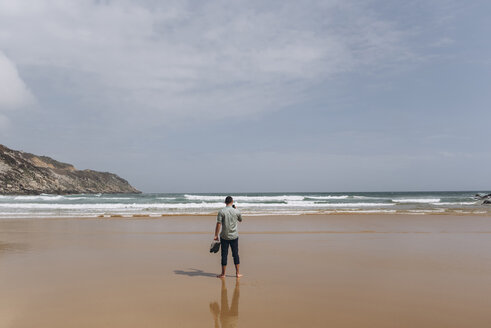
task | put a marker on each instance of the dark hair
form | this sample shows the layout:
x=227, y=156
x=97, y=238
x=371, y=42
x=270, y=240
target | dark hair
x=228, y=199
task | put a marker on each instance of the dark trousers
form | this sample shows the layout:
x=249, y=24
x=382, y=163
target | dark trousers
x=234, y=245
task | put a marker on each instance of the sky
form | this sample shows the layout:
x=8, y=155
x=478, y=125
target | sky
x=244, y=96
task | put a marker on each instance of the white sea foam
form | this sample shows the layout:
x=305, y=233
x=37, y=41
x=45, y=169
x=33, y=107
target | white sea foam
x=246, y=198
x=454, y=203
x=369, y=197
x=327, y=197
x=39, y=197
x=416, y=200
x=306, y=204
x=440, y=210
x=123, y=206
x=282, y=212
x=364, y=211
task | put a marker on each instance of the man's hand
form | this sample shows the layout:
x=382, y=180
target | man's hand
x=216, y=238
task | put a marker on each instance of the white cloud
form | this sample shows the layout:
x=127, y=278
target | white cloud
x=181, y=60
x=13, y=91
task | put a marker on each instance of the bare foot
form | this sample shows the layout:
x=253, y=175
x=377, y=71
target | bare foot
x=238, y=275
x=221, y=276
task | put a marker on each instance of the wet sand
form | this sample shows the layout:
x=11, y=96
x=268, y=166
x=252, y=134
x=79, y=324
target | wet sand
x=300, y=271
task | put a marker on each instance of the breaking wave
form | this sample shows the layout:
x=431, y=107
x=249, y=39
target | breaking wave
x=249, y=203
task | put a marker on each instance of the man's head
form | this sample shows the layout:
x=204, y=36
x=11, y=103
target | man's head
x=229, y=200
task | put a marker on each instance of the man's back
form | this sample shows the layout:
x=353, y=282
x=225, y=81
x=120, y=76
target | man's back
x=227, y=220
x=228, y=217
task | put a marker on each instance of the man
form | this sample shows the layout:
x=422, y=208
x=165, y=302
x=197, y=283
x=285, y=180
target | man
x=227, y=219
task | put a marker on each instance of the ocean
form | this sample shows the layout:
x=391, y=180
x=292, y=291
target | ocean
x=292, y=203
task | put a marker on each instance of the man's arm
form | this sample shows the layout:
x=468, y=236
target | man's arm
x=239, y=216
x=217, y=230
x=219, y=224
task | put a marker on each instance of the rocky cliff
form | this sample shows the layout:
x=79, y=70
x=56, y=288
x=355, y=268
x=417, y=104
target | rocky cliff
x=25, y=174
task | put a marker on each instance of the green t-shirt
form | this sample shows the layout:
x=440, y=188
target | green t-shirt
x=228, y=217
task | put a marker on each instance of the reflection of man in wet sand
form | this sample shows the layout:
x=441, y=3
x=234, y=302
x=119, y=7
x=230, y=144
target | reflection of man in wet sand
x=229, y=317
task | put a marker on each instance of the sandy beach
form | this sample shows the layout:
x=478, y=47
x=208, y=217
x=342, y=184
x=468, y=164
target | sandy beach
x=300, y=271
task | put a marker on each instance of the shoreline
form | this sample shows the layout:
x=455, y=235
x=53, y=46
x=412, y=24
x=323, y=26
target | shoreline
x=254, y=204
x=258, y=215
x=294, y=223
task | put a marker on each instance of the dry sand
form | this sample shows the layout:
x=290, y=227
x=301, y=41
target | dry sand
x=300, y=271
